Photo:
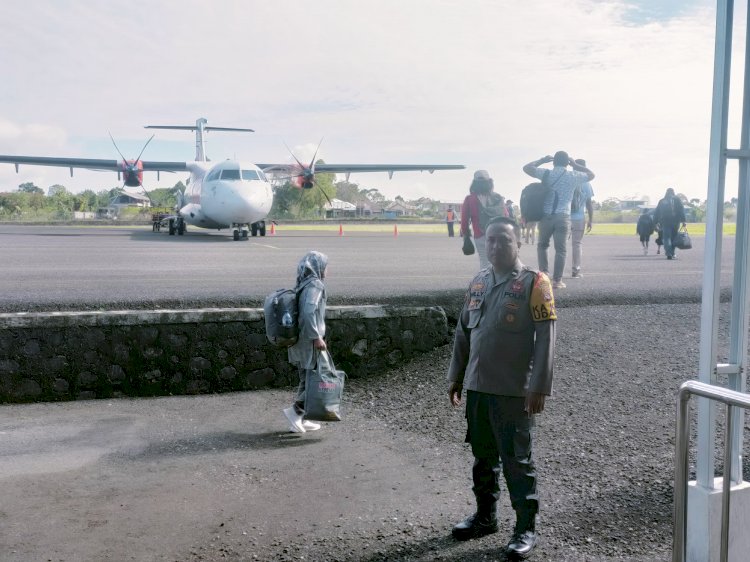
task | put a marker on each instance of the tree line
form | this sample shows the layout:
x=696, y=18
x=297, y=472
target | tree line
x=290, y=202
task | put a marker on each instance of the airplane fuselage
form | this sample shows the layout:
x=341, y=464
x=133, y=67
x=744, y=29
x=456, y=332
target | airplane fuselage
x=225, y=194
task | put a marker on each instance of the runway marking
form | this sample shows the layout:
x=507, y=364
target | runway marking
x=266, y=245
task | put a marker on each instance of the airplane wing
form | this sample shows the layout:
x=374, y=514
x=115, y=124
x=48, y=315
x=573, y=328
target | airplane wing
x=353, y=168
x=90, y=163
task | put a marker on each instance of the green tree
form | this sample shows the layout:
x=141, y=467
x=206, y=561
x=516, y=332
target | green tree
x=29, y=187
x=87, y=201
x=61, y=202
x=349, y=192
x=285, y=201
x=166, y=196
x=374, y=195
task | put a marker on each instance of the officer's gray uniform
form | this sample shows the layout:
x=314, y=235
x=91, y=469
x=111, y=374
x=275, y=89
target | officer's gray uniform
x=504, y=347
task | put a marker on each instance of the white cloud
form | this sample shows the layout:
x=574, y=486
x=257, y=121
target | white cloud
x=489, y=84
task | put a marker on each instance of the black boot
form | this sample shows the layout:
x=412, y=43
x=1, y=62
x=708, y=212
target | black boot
x=524, y=537
x=483, y=522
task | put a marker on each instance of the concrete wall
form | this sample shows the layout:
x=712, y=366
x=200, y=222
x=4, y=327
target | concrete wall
x=84, y=355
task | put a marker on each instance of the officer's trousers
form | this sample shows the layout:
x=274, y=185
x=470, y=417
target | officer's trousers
x=499, y=432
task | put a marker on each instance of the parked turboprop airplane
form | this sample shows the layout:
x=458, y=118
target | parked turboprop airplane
x=227, y=194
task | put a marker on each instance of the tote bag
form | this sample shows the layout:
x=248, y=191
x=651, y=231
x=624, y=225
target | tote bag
x=324, y=388
x=682, y=240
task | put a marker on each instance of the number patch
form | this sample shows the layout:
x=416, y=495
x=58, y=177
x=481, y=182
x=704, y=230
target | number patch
x=542, y=300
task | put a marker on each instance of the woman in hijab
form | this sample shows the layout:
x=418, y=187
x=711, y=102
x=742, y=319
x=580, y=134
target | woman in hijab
x=311, y=294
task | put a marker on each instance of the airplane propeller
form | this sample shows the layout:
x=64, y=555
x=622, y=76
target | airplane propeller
x=132, y=170
x=307, y=173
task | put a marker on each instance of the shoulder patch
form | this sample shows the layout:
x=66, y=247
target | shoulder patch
x=476, y=293
x=542, y=302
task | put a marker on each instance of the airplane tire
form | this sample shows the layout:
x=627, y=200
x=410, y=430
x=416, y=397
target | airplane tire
x=262, y=228
x=172, y=229
x=254, y=229
x=181, y=228
x=243, y=234
x=236, y=235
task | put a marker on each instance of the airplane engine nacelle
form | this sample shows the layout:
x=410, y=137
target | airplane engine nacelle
x=304, y=181
x=132, y=173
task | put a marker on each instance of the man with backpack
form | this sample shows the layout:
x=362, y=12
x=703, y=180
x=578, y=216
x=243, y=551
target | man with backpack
x=579, y=206
x=668, y=216
x=555, y=223
x=479, y=207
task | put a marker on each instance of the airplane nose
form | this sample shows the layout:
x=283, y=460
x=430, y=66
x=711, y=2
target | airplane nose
x=235, y=202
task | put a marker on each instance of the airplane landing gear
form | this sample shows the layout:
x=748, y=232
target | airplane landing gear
x=177, y=225
x=258, y=228
x=239, y=231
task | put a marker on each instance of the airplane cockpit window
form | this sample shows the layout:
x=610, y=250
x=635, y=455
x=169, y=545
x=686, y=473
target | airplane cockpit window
x=230, y=174
x=249, y=175
x=214, y=175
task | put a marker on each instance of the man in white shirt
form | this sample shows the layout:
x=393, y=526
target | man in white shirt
x=556, y=221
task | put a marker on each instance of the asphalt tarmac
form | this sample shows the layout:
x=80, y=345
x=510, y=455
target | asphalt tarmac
x=74, y=268
x=219, y=478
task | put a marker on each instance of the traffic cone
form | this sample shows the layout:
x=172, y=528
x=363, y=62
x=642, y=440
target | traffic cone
x=395, y=230
x=273, y=230
x=341, y=229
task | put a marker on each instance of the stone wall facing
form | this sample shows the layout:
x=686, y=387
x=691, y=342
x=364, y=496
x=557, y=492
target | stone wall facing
x=85, y=355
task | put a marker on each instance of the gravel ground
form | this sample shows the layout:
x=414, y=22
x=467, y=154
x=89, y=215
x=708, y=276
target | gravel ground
x=604, y=450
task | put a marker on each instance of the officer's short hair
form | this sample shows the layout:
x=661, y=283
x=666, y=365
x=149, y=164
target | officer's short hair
x=506, y=220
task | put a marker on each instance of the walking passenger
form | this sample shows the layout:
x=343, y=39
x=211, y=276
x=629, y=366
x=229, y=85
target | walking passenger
x=556, y=221
x=476, y=210
x=580, y=204
x=668, y=216
x=644, y=229
x=311, y=292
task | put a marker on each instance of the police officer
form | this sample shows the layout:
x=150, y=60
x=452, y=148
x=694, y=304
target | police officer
x=503, y=355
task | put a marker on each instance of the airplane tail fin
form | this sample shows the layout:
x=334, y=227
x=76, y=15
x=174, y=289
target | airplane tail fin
x=199, y=128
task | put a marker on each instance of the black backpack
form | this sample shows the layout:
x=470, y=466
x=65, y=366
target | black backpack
x=532, y=199
x=280, y=311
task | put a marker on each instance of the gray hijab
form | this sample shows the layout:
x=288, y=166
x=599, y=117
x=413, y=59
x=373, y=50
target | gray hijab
x=311, y=268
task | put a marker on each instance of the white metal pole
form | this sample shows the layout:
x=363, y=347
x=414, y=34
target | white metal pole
x=740, y=289
x=714, y=226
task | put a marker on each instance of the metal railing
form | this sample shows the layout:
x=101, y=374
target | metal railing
x=731, y=398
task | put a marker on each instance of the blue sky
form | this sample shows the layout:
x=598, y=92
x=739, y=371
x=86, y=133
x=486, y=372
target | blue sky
x=648, y=11
x=488, y=84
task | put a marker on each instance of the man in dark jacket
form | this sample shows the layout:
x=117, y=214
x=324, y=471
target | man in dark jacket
x=502, y=356
x=668, y=216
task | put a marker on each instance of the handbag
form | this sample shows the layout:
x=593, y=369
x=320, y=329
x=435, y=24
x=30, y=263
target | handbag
x=468, y=247
x=324, y=387
x=682, y=239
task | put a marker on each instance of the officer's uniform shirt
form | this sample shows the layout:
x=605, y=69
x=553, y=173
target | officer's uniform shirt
x=505, y=338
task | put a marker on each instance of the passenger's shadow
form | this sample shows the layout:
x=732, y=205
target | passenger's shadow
x=224, y=441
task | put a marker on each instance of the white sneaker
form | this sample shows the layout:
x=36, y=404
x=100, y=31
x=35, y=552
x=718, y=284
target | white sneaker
x=294, y=419
x=558, y=285
x=310, y=426
x=645, y=251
